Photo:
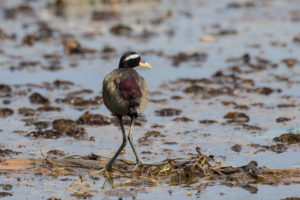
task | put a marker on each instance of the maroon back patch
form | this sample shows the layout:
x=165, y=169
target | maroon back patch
x=129, y=89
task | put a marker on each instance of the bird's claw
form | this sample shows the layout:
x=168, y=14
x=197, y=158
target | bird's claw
x=138, y=164
x=100, y=171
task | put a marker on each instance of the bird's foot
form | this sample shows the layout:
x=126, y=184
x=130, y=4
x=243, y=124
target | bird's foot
x=138, y=164
x=100, y=171
x=105, y=169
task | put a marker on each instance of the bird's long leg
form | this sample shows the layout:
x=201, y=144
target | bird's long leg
x=110, y=164
x=138, y=159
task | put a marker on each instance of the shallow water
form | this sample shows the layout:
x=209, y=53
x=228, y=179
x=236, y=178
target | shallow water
x=256, y=28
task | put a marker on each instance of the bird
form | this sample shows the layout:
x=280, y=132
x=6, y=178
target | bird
x=124, y=93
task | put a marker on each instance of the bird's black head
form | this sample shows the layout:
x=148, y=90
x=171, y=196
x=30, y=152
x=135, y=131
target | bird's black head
x=130, y=59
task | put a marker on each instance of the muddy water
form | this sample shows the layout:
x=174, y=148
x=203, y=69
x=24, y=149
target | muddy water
x=254, y=37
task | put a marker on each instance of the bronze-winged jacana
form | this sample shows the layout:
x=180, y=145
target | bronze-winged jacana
x=125, y=93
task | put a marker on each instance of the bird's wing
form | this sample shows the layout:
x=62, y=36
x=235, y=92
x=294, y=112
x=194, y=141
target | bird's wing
x=129, y=89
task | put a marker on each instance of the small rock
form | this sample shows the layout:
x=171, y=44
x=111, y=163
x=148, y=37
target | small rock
x=49, y=108
x=290, y=138
x=108, y=49
x=241, y=107
x=26, y=111
x=286, y=105
x=71, y=46
x=290, y=62
x=30, y=39
x=145, y=140
x=50, y=134
x=56, y=152
x=5, y=90
x=62, y=84
x=37, y=98
x=6, y=152
x=168, y=112
x=297, y=39
x=103, y=15
x=208, y=121
x=176, y=97
x=236, y=117
x=53, y=198
x=5, y=194
x=69, y=128
x=41, y=124
x=291, y=198
x=283, y=119
x=5, y=112
x=236, y=148
x=93, y=119
x=264, y=90
x=7, y=187
x=184, y=57
x=182, y=119
x=121, y=30
x=224, y=32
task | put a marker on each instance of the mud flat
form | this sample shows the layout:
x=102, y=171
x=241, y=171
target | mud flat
x=225, y=80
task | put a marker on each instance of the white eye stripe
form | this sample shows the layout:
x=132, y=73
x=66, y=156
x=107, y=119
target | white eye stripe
x=133, y=56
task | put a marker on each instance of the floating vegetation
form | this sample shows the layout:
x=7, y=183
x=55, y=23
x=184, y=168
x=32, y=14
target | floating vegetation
x=198, y=169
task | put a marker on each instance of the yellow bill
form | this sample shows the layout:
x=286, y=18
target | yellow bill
x=146, y=65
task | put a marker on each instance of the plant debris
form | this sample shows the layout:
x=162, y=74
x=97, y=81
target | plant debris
x=48, y=108
x=53, y=198
x=37, y=98
x=69, y=128
x=6, y=186
x=236, y=5
x=25, y=65
x=184, y=57
x=283, y=119
x=278, y=148
x=236, y=148
x=290, y=62
x=103, y=15
x=171, y=171
x=55, y=152
x=291, y=198
x=168, y=112
x=26, y=111
x=5, y=194
x=50, y=134
x=6, y=112
x=80, y=101
x=236, y=117
x=54, y=54
x=182, y=119
x=71, y=46
x=208, y=121
x=5, y=90
x=290, y=138
x=145, y=140
x=7, y=152
x=61, y=127
x=62, y=84
x=39, y=125
x=121, y=30
x=93, y=119
x=80, y=92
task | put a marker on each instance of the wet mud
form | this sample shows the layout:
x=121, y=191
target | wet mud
x=173, y=172
x=225, y=78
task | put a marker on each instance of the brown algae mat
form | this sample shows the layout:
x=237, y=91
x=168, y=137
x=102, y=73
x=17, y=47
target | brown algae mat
x=199, y=168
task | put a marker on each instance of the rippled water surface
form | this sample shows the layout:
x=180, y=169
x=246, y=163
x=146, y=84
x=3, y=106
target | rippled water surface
x=256, y=41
